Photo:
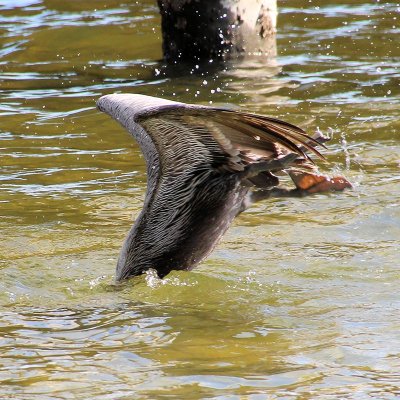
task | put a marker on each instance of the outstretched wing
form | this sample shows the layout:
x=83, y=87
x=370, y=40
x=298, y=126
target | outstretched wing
x=187, y=137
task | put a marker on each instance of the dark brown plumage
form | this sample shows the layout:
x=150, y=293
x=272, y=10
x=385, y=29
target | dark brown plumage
x=205, y=165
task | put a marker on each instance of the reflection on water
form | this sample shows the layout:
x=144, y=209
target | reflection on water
x=301, y=298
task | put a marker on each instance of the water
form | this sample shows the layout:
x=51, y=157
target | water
x=299, y=301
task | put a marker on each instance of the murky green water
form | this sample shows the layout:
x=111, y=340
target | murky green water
x=301, y=299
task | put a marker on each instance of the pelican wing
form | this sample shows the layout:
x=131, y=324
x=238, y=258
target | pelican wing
x=179, y=136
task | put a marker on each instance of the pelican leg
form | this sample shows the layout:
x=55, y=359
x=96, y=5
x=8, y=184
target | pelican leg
x=260, y=195
x=274, y=165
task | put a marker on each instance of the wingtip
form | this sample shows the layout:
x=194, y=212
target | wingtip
x=99, y=103
x=107, y=102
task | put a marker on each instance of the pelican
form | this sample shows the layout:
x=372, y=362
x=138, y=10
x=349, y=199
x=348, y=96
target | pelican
x=205, y=165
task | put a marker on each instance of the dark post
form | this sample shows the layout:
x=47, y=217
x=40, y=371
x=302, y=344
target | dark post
x=203, y=30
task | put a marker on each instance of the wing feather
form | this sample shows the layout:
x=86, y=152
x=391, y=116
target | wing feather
x=191, y=136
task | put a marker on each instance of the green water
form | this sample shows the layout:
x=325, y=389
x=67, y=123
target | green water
x=300, y=300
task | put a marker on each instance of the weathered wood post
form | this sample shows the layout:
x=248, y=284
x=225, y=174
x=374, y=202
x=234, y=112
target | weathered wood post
x=203, y=30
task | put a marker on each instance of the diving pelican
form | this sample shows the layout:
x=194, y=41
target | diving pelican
x=205, y=165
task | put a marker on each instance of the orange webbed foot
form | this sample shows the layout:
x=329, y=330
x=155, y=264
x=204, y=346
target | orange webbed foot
x=316, y=183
